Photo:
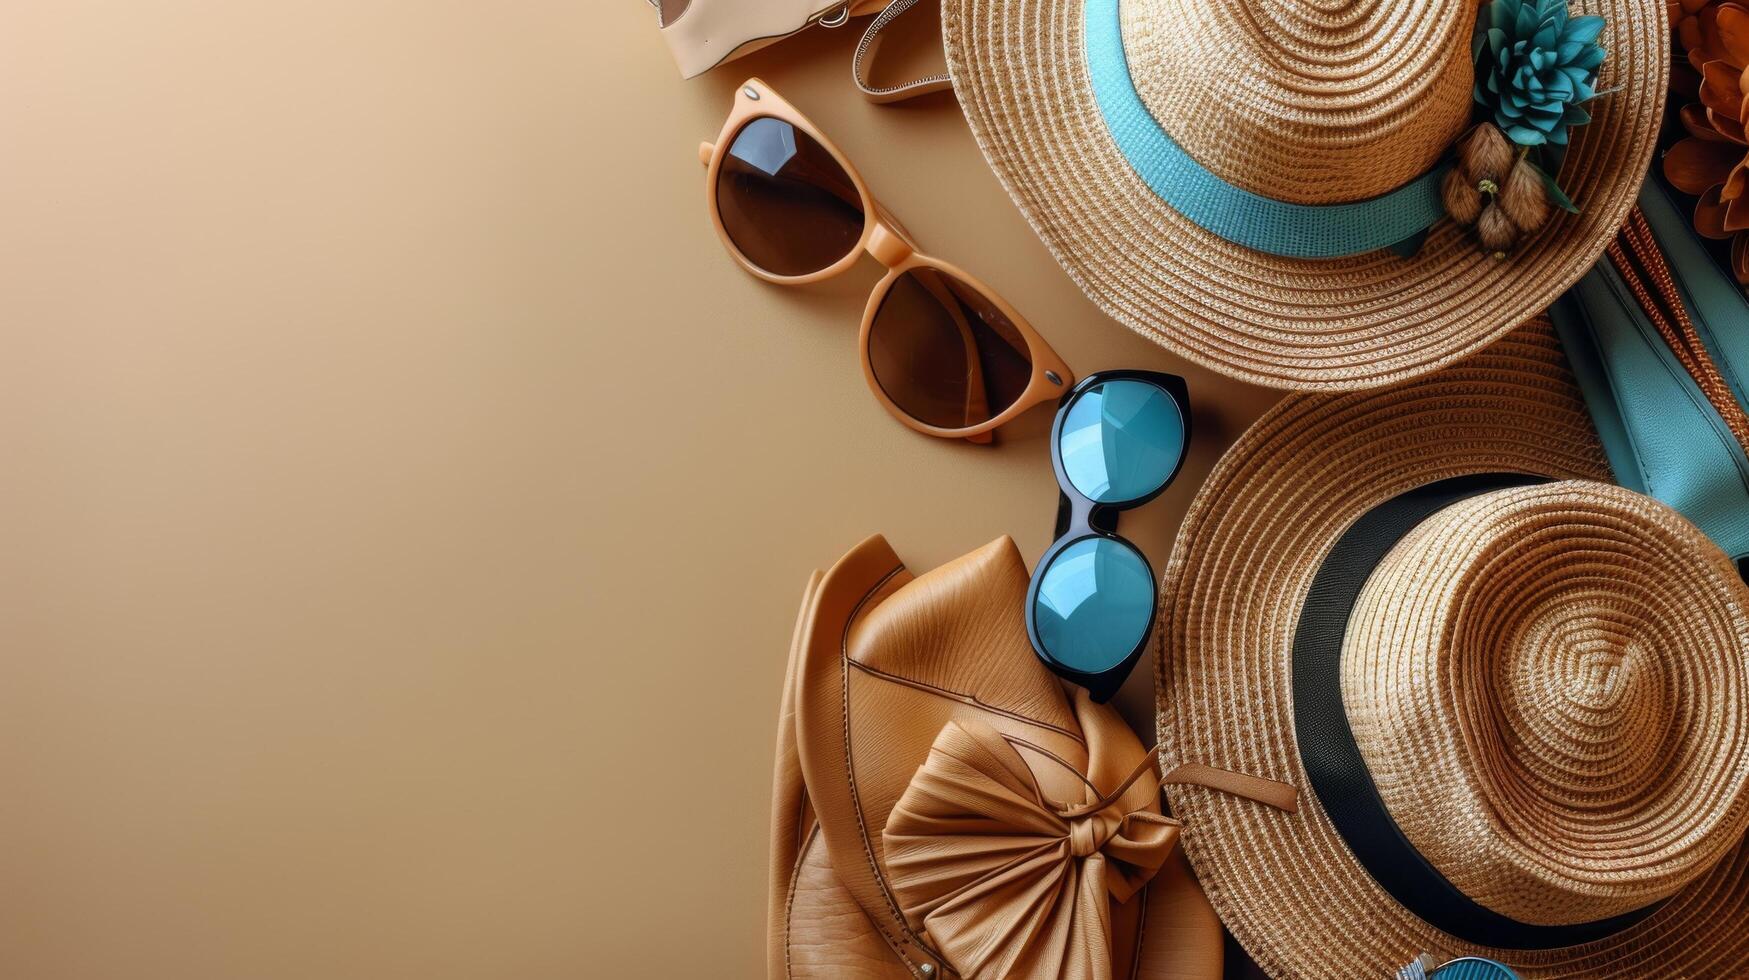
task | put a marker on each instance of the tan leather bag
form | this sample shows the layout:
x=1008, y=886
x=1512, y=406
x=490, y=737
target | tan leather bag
x=944, y=807
x=705, y=33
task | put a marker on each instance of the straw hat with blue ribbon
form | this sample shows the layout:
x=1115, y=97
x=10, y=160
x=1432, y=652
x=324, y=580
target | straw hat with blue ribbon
x=1514, y=697
x=1258, y=186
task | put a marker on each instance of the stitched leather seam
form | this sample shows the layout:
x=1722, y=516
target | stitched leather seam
x=1703, y=407
x=844, y=662
x=789, y=906
x=850, y=768
x=1707, y=333
x=965, y=699
x=862, y=67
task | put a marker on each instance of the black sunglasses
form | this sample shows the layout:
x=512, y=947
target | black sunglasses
x=1119, y=439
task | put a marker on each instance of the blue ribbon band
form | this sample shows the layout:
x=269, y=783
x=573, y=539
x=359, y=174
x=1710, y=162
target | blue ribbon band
x=1304, y=231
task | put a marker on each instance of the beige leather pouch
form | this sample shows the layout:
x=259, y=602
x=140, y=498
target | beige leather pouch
x=944, y=807
x=705, y=33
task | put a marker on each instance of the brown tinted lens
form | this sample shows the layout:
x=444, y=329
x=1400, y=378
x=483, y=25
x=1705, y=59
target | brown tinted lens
x=784, y=200
x=944, y=353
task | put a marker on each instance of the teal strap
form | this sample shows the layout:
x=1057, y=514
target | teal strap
x=1662, y=436
x=1715, y=302
x=1306, y=231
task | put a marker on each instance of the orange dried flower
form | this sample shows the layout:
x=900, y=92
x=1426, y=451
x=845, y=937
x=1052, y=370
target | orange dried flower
x=1685, y=21
x=1685, y=32
x=1712, y=161
x=1699, y=32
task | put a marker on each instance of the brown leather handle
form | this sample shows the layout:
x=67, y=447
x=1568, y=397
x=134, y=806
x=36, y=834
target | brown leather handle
x=862, y=65
x=1269, y=792
x=1642, y=266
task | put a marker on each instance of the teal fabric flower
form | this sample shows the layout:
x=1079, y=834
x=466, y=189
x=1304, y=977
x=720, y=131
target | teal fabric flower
x=1535, y=67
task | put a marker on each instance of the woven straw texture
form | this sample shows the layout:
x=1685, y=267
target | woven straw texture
x=1318, y=85
x=1549, y=683
x=1337, y=104
x=1231, y=597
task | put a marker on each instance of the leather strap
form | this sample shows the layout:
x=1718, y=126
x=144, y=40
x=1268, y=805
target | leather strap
x=1336, y=770
x=1656, y=344
x=1269, y=792
x=1641, y=264
x=862, y=65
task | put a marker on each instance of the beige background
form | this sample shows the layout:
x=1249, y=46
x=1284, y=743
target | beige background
x=406, y=500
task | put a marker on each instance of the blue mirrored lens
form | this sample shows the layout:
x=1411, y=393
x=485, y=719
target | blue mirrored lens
x=1473, y=968
x=785, y=201
x=1121, y=440
x=1093, y=604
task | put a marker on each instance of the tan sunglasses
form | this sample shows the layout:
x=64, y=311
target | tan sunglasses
x=943, y=352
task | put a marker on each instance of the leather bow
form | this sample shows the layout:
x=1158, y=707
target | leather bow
x=1004, y=882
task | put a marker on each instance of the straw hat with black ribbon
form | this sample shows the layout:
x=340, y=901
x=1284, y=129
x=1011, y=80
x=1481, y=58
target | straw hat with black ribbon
x=1515, y=698
x=1250, y=183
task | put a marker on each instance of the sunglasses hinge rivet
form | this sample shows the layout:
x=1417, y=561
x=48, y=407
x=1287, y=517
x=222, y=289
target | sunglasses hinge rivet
x=750, y=92
x=1053, y=378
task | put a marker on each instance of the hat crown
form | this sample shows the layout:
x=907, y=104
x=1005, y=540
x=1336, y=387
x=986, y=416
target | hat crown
x=1305, y=101
x=1547, y=685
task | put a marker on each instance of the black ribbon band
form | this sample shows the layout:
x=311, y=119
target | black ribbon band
x=1333, y=762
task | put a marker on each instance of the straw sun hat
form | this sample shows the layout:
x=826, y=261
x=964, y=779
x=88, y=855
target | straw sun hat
x=1145, y=140
x=1512, y=695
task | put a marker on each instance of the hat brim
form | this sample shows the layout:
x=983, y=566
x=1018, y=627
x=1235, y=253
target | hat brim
x=1287, y=886
x=1019, y=70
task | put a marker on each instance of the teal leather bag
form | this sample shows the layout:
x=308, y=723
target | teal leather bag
x=1663, y=437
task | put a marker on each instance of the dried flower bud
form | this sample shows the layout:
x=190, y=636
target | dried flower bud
x=1524, y=199
x=1485, y=154
x=1462, y=201
x=1495, y=231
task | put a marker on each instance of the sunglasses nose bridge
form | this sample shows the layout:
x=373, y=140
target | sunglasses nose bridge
x=887, y=247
